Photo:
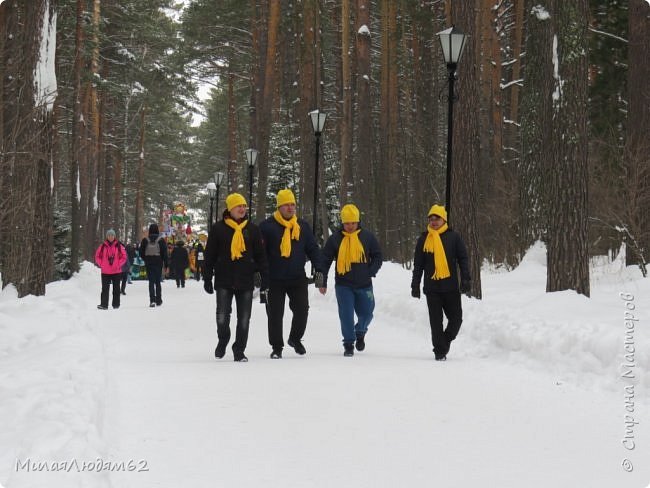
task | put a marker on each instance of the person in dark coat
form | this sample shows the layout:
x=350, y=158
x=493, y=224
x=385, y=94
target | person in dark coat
x=439, y=253
x=289, y=242
x=126, y=269
x=358, y=259
x=153, y=250
x=180, y=261
x=110, y=256
x=233, y=254
x=200, y=261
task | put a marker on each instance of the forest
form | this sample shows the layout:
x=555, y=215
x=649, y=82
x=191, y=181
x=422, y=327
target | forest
x=102, y=124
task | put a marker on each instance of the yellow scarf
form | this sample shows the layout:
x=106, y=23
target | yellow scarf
x=291, y=231
x=433, y=244
x=237, y=245
x=351, y=251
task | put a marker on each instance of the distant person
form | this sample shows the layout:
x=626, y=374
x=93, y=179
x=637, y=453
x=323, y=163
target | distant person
x=289, y=243
x=439, y=253
x=358, y=258
x=153, y=250
x=233, y=254
x=110, y=256
x=200, y=261
x=180, y=261
x=126, y=278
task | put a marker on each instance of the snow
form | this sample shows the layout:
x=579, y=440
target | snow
x=364, y=30
x=540, y=12
x=540, y=389
x=44, y=73
x=557, y=92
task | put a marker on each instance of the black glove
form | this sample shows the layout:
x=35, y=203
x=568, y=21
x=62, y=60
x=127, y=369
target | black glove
x=465, y=286
x=319, y=280
x=207, y=286
x=415, y=292
x=264, y=297
x=257, y=279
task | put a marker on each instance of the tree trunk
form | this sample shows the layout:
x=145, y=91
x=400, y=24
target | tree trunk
x=139, y=183
x=568, y=256
x=536, y=116
x=265, y=118
x=364, y=154
x=346, y=125
x=637, y=164
x=464, y=187
x=389, y=166
x=29, y=93
x=76, y=143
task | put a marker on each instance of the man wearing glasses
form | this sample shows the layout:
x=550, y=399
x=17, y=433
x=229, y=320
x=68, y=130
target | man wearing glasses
x=439, y=253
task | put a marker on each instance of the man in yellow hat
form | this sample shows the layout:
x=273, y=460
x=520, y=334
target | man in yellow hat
x=358, y=258
x=439, y=253
x=233, y=254
x=289, y=243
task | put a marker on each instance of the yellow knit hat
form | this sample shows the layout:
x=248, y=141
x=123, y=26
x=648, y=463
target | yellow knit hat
x=349, y=214
x=285, y=196
x=438, y=210
x=233, y=200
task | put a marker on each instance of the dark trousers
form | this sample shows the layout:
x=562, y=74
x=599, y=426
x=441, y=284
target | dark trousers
x=244, y=300
x=125, y=278
x=296, y=290
x=107, y=280
x=154, y=275
x=199, y=270
x=179, y=274
x=449, y=304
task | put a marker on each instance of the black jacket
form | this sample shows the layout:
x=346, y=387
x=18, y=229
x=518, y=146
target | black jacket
x=293, y=267
x=180, y=258
x=161, y=260
x=237, y=274
x=360, y=274
x=423, y=263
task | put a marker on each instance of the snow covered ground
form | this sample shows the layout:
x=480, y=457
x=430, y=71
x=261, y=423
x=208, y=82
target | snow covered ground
x=540, y=390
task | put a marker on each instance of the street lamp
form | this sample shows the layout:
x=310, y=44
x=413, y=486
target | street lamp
x=251, y=157
x=212, y=190
x=218, y=179
x=317, y=122
x=452, y=41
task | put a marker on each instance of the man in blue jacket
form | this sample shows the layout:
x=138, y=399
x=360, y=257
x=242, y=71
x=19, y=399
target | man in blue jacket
x=358, y=258
x=289, y=242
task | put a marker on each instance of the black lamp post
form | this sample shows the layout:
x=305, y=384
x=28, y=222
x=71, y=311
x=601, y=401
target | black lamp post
x=453, y=42
x=317, y=122
x=218, y=179
x=251, y=157
x=212, y=189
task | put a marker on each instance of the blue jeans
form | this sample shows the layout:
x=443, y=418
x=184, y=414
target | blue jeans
x=354, y=300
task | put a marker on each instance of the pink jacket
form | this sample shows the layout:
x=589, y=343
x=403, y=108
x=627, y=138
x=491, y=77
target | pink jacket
x=108, y=252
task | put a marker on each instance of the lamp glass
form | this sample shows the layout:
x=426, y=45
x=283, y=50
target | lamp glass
x=318, y=120
x=251, y=156
x=218, y=178
x=452, y=41
x=212, y=189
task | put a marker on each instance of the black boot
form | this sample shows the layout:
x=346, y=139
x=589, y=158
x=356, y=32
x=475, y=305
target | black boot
x=361, y=344
x=220, y=351
x=348, y=349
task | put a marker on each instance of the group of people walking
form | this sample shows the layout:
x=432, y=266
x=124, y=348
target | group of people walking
x=240, y=254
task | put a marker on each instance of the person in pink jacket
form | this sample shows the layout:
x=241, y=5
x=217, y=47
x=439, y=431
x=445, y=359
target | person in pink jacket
x=110, y=256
